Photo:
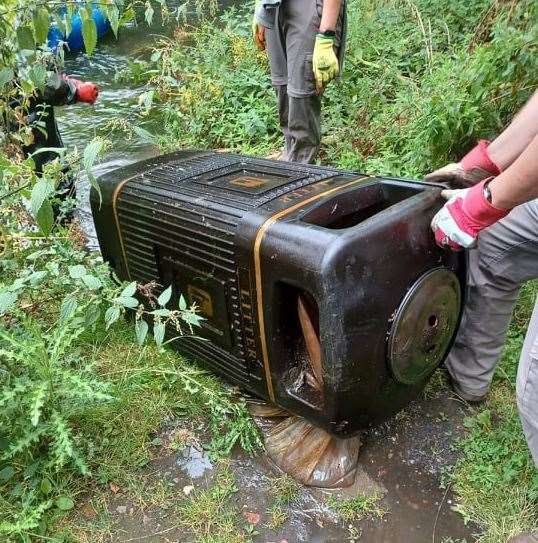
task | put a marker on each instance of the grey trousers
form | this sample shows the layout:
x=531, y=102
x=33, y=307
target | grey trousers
x=290, y=45
x=506, y=257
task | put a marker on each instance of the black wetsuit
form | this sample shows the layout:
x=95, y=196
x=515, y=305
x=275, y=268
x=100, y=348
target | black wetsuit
x=57, y=92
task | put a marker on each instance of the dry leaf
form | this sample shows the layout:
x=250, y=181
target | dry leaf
x=252, y=517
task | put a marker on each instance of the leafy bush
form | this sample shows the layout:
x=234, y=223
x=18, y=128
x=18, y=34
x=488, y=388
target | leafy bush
x=422, y=82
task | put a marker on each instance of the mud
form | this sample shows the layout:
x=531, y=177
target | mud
x=403, y=460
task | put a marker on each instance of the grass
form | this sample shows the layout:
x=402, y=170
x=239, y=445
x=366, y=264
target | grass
x=210, y=515
x=358, y=507
x=283, y=492
x=149, y=387
x=495, y=479
x=423, y=81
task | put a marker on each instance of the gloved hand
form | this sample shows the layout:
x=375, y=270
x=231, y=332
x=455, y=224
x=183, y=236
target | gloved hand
x=86, y=92
x=258, y=31
x=324, y=61
x=461, y=219
x=474, y=167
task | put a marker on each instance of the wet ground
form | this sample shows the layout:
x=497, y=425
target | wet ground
x=402, y=461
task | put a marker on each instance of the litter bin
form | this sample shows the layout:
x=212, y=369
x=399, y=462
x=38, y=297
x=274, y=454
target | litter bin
x=321, y=290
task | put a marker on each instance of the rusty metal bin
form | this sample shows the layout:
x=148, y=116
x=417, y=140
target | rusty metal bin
x=260, y=244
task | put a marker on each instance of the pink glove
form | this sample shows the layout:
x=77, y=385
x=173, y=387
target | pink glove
x=474, y=167
x=466, y=213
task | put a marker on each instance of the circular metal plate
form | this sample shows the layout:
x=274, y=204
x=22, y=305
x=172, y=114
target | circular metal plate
x=424, y=325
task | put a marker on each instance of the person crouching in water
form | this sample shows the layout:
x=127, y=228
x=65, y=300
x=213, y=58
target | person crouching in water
x=59, y=90
x=305, y=42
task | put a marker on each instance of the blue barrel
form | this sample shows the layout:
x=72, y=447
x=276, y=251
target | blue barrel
x=75, y=41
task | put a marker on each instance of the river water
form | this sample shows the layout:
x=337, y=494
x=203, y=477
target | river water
x=118, y=97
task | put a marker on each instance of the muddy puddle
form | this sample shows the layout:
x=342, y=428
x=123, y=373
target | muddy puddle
x=403, y=461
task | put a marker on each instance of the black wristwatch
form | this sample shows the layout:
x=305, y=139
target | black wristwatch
x=328, y=34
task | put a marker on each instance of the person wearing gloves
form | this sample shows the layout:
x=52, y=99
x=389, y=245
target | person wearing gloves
x=305, y=42
x=60, y=90
x=496, y=217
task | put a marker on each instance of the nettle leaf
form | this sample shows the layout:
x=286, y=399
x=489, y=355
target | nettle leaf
x=37, y=277
x=92, y=282
x=192, y=318
x=148, y=14
x=7, y=300
x=89, y=34
x=77, y=272
x=92, y=314
x=127, y=301
x=45, y=218
x=41, y=191
x=38, y=76
x=129, y=290
x=182, y=303
x=41, y=24
x=141, y=330
x=112, y=315
x=158, y=333
x=68, y=308
x=6, y=75
x=25, y=38
x=165, y=296
x=113, y=14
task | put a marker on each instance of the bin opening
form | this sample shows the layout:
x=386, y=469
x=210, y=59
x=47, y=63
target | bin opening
x=299, y=327
x=352, y=207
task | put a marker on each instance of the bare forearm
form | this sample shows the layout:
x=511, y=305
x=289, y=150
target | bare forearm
x=519, y=182
x=329, y=17
x=515, y=138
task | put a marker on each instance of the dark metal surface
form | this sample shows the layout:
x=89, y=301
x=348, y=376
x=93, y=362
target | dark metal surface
x=424, y=325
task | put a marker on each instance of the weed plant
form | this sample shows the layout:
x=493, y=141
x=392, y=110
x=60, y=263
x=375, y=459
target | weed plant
x=422, y=82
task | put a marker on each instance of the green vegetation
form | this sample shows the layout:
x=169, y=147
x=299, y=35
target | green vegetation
x=422, y=81
x=81, y=393
x=358, y=507
x=210, y=516
x=495, y=478
x=283, y=491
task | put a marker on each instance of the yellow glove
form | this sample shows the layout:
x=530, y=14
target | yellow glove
x=324, y=61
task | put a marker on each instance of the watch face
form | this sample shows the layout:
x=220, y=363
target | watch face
x=487, y=193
